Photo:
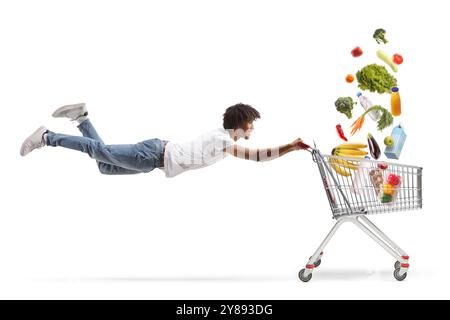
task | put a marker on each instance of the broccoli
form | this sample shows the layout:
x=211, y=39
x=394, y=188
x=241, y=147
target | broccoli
x=345, y=106
x=379, y=36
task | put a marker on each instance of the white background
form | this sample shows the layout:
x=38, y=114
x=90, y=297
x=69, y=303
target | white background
x=238, y=230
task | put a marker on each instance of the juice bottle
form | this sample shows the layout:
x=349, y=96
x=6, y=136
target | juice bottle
x=396, y=105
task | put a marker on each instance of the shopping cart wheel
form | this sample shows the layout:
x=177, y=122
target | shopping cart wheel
x=302, y=277
x=397, y=275
x=397, y=265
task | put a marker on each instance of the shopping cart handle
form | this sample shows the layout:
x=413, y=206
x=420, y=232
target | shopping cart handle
x=304, y=146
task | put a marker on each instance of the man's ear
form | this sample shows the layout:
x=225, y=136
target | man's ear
x=239, y=132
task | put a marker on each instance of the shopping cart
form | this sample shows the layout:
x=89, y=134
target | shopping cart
x=354, y=194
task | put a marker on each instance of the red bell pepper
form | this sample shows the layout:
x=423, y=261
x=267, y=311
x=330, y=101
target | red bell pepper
x=340, y=132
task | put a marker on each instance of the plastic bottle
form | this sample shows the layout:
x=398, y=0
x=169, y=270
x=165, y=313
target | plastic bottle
x=366, y=104
x=361, y=177
x=396, y=104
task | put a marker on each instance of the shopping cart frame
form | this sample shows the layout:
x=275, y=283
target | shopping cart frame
x=359, y=218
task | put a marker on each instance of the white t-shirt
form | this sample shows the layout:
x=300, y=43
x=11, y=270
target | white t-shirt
x=201, y=152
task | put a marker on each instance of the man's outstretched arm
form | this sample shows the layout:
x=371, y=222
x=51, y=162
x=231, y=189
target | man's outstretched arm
x=263, y=154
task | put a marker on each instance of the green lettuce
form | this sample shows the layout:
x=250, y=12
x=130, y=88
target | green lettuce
x=375, y=78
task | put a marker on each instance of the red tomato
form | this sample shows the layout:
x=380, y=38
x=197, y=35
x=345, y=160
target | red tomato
x=397, y=58
x=357, y=52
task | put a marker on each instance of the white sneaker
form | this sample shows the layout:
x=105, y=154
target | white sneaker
x=71, y=111
x=36, y=140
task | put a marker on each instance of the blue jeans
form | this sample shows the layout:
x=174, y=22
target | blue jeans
x=116, y=158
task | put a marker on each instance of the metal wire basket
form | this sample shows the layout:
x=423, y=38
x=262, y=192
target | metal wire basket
x=357, y=192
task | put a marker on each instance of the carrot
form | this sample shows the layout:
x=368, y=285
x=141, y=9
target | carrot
x=385, y=120
x=357, y=125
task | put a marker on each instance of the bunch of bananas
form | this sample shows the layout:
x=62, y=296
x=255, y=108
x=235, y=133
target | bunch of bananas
x=353, y=150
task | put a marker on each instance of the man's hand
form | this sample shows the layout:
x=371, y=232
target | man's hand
x=298, y=145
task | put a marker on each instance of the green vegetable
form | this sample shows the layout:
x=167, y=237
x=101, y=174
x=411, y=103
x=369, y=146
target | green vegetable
x=388, y=60
x=386, y=119
x=345, y=106
x=386, y=198
x=379, y=36
x=374, y=77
